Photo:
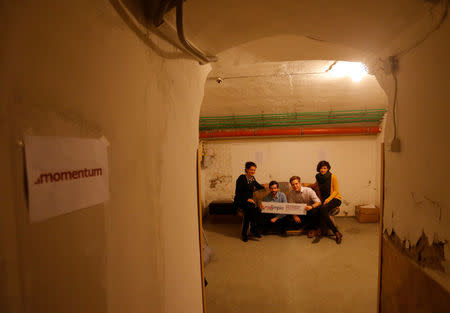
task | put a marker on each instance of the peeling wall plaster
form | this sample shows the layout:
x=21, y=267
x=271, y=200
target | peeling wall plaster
x=354, y=159
x=425, y=253
x=408, y=287
x=417, y=178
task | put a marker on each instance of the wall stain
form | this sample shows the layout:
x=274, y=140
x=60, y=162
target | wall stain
x=208, y=158
x=421, y=203
x=423, y=253
x=436, y=204
x=417, y=202
x=77, y=120
x=218, y=180
x=433, y=202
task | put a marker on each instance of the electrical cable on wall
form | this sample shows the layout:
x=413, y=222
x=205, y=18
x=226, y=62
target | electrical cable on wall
x=354, y=67
x=394, y=66
x=395, y=144
x=220, y=79
x=394, y=109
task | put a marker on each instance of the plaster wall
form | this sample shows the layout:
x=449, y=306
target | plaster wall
x=410, y=289
x=76, y=69
x=416, y=189
x=355, y=160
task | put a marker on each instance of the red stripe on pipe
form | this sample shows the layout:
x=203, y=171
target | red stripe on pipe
x=335, y=131
x=279, y=132
x=233, y=133
x=374, y=130
x=205, y=134
x=290, y=132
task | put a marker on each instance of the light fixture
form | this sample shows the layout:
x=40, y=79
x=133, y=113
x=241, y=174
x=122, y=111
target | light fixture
x=355, y=70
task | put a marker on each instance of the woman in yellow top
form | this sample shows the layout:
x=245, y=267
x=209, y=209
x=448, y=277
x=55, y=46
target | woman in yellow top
x=329, y=194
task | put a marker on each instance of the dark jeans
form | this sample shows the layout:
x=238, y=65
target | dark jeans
x=307, y=222
x=252, y=217
x=278, y=226
x=324, y=216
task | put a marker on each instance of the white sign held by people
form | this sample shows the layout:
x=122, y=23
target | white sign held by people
x=284, y=208
x=64, y=175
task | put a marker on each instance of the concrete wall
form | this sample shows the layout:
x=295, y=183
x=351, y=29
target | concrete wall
x=416, y=189
x=355, y=160
x=76, y=69
x=411, y=289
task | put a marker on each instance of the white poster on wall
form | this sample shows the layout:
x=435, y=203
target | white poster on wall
x=64, y=175
x=284, y=208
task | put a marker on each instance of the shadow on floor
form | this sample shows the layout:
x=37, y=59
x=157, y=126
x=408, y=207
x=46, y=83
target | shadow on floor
x=227, y=225
x=231, y=225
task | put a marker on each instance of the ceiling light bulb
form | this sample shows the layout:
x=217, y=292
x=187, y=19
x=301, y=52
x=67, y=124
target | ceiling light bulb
x=355, y=70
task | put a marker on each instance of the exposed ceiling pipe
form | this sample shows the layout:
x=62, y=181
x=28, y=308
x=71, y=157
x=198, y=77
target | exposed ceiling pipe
x=199, y=55
x=157, y=10
x=289, y=132
x=285, y=120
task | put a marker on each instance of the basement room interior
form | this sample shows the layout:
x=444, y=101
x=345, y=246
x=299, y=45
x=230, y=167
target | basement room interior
x=286, y=117
x=187, y=156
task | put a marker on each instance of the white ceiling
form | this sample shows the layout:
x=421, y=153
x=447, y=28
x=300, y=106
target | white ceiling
x=266, y=51
x=286, y=87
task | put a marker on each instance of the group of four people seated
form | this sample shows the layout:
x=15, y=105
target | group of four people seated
x=317, y=220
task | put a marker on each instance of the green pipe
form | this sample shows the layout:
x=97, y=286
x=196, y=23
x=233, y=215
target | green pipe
x=270, y=126
x=288, y=124
x=291, y=119
x=282, y=125
x=288, y=119
x=317, y=112
x=368, y=111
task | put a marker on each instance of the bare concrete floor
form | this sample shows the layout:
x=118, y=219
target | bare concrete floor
x=292, y=275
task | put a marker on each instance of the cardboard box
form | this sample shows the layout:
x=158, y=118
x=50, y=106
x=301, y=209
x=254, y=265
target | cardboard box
x=367, y=215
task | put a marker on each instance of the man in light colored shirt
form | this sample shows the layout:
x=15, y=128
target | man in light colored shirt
x=275, y=195
x=300, y=194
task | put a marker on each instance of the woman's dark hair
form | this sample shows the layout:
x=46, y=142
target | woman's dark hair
x=249, y=164
x=323, y=163
x=294, y=178
x=273, y=182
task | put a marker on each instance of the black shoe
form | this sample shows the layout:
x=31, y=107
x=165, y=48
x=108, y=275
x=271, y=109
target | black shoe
x=244, y=238
x=338, y=237
x=317, y=239
x=255, y=233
